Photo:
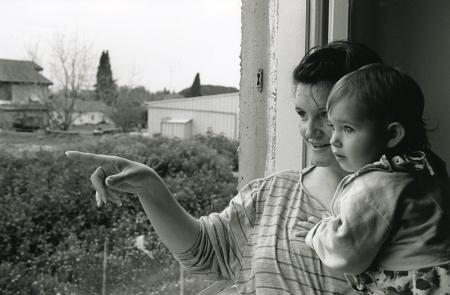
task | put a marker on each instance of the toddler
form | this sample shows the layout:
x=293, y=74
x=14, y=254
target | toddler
x=390, y=229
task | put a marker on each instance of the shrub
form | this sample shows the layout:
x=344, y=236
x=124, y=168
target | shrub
x=53, y=233
x=224, y=146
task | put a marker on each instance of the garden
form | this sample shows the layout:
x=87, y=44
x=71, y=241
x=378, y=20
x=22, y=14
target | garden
x=55, y=240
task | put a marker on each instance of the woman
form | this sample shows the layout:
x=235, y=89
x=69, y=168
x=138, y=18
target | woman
x=254, y=240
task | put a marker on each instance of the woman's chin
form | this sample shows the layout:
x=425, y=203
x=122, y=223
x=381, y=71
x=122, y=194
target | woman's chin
x=322, y=158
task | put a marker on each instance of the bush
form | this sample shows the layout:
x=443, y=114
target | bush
x=53, y=234
x=224, y=146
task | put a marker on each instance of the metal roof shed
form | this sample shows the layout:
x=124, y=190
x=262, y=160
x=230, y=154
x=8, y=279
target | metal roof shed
x=181, y=128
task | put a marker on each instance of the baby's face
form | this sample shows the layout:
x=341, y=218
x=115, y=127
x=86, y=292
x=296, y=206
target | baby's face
x=356, y=141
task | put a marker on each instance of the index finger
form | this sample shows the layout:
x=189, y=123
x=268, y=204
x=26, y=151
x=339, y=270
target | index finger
x=96, y=159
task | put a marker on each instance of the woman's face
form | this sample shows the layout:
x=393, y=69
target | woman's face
x=310, y=105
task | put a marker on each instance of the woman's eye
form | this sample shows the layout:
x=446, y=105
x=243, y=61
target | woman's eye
x=324, y=116
x=302, y=114
x=348, y=129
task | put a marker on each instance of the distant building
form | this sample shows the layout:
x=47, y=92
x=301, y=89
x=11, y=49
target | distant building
x=186, y=117
x=92, y=112
x=23, y=90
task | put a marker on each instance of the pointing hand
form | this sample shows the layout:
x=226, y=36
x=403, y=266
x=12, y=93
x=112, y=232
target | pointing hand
x=115, y=174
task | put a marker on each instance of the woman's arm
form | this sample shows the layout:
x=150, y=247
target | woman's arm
x=176, y=227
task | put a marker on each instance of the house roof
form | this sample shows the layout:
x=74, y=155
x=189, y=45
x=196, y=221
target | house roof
x=223, y=103
x=21, y=71
x=187, y=99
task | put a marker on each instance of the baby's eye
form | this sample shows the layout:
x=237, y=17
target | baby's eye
x=331, y=125
x=348, y=129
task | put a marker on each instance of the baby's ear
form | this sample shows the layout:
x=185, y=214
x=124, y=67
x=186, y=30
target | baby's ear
x=396, y=132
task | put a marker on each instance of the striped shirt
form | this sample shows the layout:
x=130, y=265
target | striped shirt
x=254, y=243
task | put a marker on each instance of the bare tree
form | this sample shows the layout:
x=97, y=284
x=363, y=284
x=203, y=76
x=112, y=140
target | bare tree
x=33, y=52
x=71, y=70
x=71, y=67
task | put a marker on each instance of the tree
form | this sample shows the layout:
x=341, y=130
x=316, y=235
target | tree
x=210, y=90
x=195, y=89
x=71, y=68
x=105, y=88
x=128, y=112
x=138, y=93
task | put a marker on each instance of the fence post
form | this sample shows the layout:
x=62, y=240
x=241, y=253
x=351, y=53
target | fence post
x=105, y=264
x=181, y=280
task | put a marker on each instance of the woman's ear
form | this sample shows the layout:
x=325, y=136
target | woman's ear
x=396, y=133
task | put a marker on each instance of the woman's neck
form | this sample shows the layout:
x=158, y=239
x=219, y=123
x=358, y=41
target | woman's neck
x=322, y=182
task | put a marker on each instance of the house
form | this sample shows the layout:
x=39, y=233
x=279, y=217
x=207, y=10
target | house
x=23, y=90
x=92, y=112
x=186, y=117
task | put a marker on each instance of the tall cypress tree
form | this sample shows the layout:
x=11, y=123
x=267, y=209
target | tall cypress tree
x=196, y=87
x=106, y=88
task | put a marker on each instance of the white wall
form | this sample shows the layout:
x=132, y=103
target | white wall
x=218, y=113
x=28, y=93
x=273, y=39
x=225, y=123
x=228, y=102
x=253, y=104
x=90, y=118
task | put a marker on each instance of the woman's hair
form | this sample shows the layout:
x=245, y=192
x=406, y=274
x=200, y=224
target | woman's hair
x=384, y=94
x=330, y=62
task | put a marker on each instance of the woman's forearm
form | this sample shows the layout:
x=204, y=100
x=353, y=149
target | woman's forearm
x=175, y=227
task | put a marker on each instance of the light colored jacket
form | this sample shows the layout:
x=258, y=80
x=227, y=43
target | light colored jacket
x=394, y=214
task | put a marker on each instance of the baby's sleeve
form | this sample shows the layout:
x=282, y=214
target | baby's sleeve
x=349, y=241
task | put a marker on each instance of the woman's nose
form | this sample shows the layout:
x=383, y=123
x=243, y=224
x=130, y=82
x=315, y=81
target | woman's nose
x=312, y=129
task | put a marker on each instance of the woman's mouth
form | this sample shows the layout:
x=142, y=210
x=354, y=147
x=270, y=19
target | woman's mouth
x=318, y=146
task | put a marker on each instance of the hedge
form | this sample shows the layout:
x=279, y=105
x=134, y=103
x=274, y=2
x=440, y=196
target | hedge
x=53, y=233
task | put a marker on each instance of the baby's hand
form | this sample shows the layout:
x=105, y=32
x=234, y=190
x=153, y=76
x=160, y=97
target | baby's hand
x=115, y=174
x=306, y=225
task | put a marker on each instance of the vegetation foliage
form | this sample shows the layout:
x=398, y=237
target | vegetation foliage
x=53, y=234
x=105, y=88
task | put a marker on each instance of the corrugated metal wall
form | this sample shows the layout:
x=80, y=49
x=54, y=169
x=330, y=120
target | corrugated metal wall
x=218, y=113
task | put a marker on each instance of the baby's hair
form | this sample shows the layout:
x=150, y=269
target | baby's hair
x=332, y=61
x=384, y=94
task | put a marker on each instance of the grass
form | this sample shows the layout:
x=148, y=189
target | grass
x=16, y=142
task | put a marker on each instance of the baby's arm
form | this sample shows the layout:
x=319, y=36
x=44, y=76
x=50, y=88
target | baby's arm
x=350, y=241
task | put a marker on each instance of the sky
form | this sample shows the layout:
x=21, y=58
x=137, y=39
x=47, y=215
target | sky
x=153, y=43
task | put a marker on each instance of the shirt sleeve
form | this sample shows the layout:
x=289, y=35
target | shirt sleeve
x=222, y=237
x=349, y=241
